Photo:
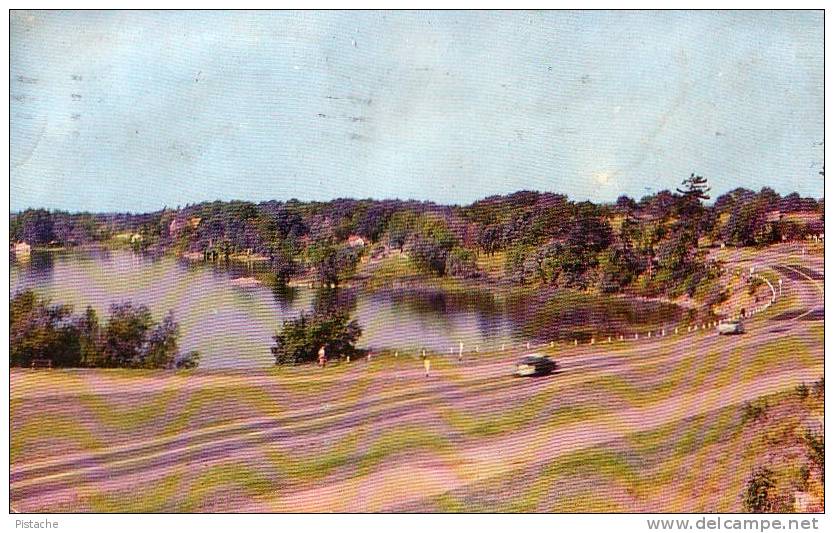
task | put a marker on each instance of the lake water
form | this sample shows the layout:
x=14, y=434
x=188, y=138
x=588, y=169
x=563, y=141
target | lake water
x=233, y=326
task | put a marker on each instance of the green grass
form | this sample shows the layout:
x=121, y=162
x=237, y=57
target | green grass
x=639, y=464
x=528, y=413
x=492, y=265
x=179, y=493
x=26, y=437
x=387, y=271
x=707, y=457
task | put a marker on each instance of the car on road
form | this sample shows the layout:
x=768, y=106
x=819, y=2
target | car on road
x=535, y=365
x=731, y=327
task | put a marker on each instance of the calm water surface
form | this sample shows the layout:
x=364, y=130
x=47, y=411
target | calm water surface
x=233, y=326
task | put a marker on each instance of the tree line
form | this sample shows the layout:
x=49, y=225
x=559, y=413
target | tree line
x=653, y=246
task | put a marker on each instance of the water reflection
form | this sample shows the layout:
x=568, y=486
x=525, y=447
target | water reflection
x=330, y=300
x=232, y=324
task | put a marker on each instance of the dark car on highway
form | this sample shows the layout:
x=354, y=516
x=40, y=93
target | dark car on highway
x=535, y=365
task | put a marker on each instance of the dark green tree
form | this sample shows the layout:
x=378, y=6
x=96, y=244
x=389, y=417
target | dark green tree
x=90, y=343
x=39, y=330
x=690, y=208
x=300, y=339
x=333, y=264
x=125, y=335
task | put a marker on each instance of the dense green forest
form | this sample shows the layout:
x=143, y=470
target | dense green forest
x=654, y=246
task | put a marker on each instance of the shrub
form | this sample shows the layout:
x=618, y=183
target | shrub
x=429, y=255
x=819, y=388
x=188, y=360
x=753, y=411
x=754, y=285
x=519, y=263
x=762, y=496
x=803, y=474
x=802, y=391
x=816, y=447
x=461, y=263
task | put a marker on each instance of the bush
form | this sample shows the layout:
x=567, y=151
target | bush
x=762, y=494
x=759, y=488
x=816, y=447
x=300, y=339
x=188, y=360
x=753, y=411
x=754, y=285
x=429, y=255
x=461, y=263
x=802, y=391
x=819, y=388
x=519, y=263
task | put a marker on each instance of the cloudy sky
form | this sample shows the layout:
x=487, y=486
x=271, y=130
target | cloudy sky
x=134, y=111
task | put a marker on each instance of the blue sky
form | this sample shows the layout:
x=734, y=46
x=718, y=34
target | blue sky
x=133, y=111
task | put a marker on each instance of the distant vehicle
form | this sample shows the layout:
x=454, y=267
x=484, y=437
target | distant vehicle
x=730, y=327
x=535, y=365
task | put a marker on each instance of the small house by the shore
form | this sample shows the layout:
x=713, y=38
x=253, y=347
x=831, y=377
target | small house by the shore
x=22, y=248
x=355, y=241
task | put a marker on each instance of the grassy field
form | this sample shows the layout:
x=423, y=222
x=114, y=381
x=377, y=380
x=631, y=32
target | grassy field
x=697, y=464
x=352, y=420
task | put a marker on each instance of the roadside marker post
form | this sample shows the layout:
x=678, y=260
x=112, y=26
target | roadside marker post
x=575, y=342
